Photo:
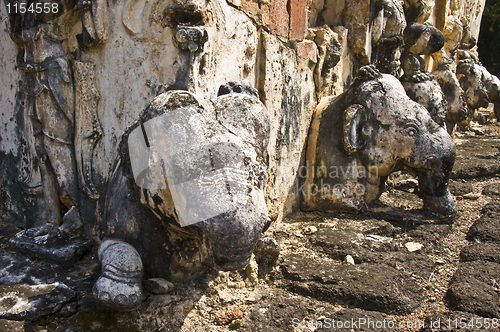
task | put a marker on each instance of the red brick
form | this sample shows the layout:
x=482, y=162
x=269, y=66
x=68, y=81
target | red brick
x=297, y=19
x=307, y=50
x=279, y=18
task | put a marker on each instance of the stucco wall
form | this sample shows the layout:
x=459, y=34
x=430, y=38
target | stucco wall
x=278, y=47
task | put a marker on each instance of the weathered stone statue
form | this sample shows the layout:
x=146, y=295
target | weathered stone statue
x=418, y=10
x=387, y=36
x=475, y=81
x=51, y=104
x=456, y=37
x=191, y=173
x=360, y=137
x=492, y=85
x=421, y=86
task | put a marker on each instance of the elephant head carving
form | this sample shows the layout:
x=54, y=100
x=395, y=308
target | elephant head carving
x=372, y=130
x=191, y=175
x=471, y=77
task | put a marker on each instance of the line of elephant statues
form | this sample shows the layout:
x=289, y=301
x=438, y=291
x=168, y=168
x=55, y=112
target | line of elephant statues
x=192, y=171
x=198, y=168
x=457, y=86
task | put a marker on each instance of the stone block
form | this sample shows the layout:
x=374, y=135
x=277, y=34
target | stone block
x=477, y=157
x=481, y=251
x=279, y=18
x=492, y=190
x=22, y=301
x=298, y=19
x=307, y=50
x=473, y=289
x=485, y=229
x=366, y=286
x=458, y=188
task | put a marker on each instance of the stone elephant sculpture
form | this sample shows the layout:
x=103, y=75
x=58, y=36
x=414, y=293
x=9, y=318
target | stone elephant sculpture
x=421, y=86
x=472, y=80
x=480, y=86
x=190, y=177
x=358, y=138
x=457, y=110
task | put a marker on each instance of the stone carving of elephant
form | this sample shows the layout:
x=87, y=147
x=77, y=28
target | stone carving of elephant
x=480, y=86
x=190, y=177
x=470, y=76
x=457, y=36
x=358, y=138
x=457, y=110
x=421, y=86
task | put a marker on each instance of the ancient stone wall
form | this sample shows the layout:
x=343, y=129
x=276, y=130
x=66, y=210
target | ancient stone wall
x=294, y=52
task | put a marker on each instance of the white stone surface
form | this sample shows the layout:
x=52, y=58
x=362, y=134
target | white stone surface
x=9, y=78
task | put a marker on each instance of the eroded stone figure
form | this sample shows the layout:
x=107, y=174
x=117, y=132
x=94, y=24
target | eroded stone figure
x=190, y=177
x=492, y=85
x=387, y=36
x=478, y=84
x=456, y=36
x=378, y=130
x=421, y=86
x=418, y=10
x=51, y=104
x=329, y=54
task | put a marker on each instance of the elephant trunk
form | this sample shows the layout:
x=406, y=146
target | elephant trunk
x=433, y=183
x=226, y=241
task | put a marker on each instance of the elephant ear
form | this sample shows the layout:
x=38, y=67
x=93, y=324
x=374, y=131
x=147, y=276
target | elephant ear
x=354, y=120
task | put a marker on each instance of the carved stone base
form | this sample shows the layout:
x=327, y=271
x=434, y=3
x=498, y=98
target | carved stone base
x=63, y=252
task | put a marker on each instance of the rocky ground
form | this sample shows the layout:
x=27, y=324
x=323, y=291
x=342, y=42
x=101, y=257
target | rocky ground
x=392, y=268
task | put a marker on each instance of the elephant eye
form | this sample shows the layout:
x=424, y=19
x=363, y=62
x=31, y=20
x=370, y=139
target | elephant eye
x=411, y=130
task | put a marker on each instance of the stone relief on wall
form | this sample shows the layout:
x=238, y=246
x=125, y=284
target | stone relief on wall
x=62, y=107
x=87, y=124
x=329, y=54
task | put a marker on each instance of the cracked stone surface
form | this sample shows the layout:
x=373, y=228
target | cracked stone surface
x=22, y=301
x=474, y=288
x=472, y=161
x=368, y=286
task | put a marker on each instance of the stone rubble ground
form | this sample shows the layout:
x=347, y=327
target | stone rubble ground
x=392, y=262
